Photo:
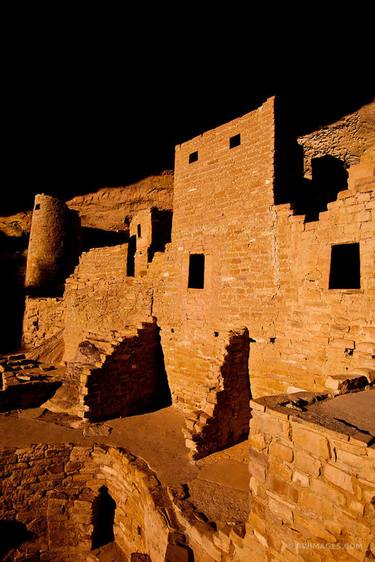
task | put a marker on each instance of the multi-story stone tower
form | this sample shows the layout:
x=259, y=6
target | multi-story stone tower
x=54, y=245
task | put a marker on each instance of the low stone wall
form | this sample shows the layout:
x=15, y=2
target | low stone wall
x=132, y=379
x=312, y=487
x=223, y=417
x=100, y=298
x=51, y=489
x=43, y=319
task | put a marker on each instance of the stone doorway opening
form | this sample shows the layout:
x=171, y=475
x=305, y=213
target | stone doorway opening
x=103, y=517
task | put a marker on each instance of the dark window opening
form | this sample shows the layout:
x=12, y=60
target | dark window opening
x=37, y=207
x=12, y=535
x=103, y=517
x=139, y=231
x=235, y=141
x=196, y=271
x=345, y=267
x=161, y=224
x=130, y=263
x=193, y=157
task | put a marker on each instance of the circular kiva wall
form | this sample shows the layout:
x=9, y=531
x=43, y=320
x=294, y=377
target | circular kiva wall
x=56, y=493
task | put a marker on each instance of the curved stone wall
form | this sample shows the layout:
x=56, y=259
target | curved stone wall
x=53, y=245
x=51, y=490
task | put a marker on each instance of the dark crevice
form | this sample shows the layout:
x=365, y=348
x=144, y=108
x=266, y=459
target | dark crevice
x=12, y=535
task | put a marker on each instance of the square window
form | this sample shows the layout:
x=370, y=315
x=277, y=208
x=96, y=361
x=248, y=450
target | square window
x=193, y=157
x=345, y=267
x=196, y=271
x=235, y=141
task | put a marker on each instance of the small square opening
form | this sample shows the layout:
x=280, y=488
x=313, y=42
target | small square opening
x=235, y=141
x=37, y=206
x=196, y=271
x=345, y=267
x=193, y=157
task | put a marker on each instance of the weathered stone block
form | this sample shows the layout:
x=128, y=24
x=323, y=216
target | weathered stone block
x=283, y=510
x=338, y=478
x=301, y=478
x=312, y=442
x=282, y=451
x=307, y=463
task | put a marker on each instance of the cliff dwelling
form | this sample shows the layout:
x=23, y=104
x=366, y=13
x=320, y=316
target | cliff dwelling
x=190, y=369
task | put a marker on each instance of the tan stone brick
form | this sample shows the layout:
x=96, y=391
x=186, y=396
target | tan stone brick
x=257, y=465
x=281, y=509
x=328, y=491
x=339, y=478
x=354, y=528
x=281, y=469
x=272, y=425
x=357, y=508
x=307, y=463
x=282, y=451
x=257, y=441
x=282, y=488
x=260, y=538
x=301, y=478
x=312, y=442
x=317, y=504
x=313, y=529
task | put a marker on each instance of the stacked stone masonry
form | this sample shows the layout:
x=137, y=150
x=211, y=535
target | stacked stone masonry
x=236, y=304
x=312, y=487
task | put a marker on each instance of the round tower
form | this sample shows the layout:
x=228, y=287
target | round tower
x=50, y=257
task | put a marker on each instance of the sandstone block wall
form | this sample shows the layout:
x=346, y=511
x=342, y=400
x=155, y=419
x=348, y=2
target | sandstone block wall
x=141, y=231
x=100, y=299
x=43, y=319
x=150, y=232
x=131, y=380
x=223, y=417
x=321, y=331
x=222, y=209
x=312, y=487
x=266, y=270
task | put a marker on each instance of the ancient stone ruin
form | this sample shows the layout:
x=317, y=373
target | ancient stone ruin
x=195, y=380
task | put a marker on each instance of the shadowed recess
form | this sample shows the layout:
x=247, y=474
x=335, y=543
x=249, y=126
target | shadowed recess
x=103, y=516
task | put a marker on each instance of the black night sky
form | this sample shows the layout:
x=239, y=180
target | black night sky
x=84, y=110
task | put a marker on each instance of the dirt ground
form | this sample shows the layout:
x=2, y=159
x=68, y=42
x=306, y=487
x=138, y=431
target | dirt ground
x=218, y=484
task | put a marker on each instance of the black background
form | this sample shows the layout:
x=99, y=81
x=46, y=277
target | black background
x=95, y=99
